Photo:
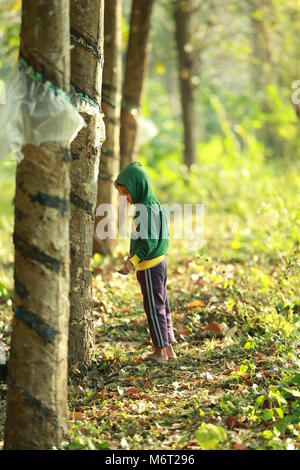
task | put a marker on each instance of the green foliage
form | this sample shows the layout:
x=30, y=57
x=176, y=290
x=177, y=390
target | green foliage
x=209, y=436
x=9, y=33
x=5, y=294
x=244, y=80
x=86, y=437
x=7, y=189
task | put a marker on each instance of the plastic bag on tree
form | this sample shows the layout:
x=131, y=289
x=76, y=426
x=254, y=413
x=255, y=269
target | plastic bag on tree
x=147, y=130
x=34, y=112
x=85, y=105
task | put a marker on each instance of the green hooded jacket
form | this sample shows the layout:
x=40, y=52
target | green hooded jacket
x=150, y=234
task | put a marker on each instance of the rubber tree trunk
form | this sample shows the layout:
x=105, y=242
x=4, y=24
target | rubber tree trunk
x=87, y=18
x=37, y=383
x=135, y=71
x=111, y=94
x=184, y=28
x=263, y=73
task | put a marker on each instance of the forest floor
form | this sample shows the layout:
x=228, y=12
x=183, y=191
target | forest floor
x=234, y=384
x=235, y=306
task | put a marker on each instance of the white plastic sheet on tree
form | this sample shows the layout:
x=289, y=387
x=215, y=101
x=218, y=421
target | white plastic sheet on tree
x=82, y=105
x=147, y=131
x=35, y=112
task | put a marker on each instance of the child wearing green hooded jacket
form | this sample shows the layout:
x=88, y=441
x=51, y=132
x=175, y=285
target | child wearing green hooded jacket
x=149, y=243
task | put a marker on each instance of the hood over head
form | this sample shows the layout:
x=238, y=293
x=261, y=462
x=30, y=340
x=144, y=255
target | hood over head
x=136, y=179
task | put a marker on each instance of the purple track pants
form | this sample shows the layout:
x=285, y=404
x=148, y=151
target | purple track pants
x=153, y=282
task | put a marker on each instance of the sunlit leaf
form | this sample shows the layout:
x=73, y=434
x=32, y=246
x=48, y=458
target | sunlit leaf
x=268, y=414
x=209, y=436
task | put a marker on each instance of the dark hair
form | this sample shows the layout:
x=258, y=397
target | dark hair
x=121, y=186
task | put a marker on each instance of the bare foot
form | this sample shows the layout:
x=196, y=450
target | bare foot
x=170, y=352
x=153, y=358
x=159, y=355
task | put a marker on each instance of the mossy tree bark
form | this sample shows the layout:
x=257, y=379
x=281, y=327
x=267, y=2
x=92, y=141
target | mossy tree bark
x=111, y=93
x=135, y=71
x=87, y=17
x=184, y=27
x=37, y=380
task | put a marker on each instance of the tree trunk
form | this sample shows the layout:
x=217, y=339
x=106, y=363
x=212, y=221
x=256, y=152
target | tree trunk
x=37, y=383
x=86, y=76
x=263, y=72
x=136, y=66
x=261, y=44
x=184, y=27
x=110, y=155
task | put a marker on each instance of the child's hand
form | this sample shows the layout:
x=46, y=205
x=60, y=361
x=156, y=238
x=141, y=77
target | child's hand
x=126, y=268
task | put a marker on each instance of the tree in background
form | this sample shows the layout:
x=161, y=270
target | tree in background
x=263, y=70
x=111, y=94
x=186, y=20
x=135, y=71
x=86, y=76
x=37, y=382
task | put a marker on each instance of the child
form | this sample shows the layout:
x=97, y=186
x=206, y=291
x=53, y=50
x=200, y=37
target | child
x=148, y=244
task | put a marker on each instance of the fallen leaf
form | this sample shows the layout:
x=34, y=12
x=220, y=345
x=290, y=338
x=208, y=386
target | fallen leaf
x=231, y=369
x=99, y=395
x=132, y=390
x=181, y=328
x=270, y=373
x=228, y=371
x=97, y=271
x=124, y=443
x=100, y=303
x=77, y=415
x=215, y=328
x=208, y=376
x=195, y=304
x=178, y=270
x=112, y=408
x=234, y=422
x=214, y=283
x=240, y=447
x=231, y=422
x=190, y=444
x=247, y=381
x=137, y=360
x=125, y=309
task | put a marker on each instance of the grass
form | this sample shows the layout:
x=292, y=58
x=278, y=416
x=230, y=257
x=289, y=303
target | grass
x=235, y=305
